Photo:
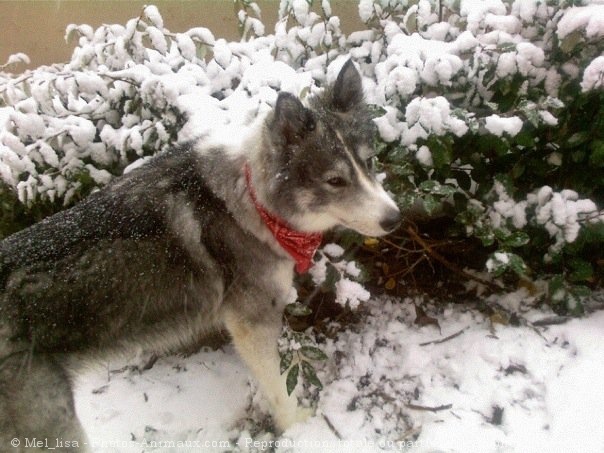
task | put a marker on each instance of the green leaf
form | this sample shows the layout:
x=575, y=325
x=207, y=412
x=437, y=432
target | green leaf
x=442, y=156
x=594, y=232
x=525, y=138
x=517, y=239
x=292, y=379
x=313, y=353
x=575, y=299
x=581, y=291
x=201, y=49
x=406, y=200
x=517, y=264
x=500, y=262
x=529, y=109
x=553, y=103
x=463, y=179
x=286, y=361
x=557, y=289
x=404, y=169
x=431, y=204
x=375, y=110
x=502, y=234
x=460, y=201
x=578, y=138
x=436, y=188
x=349, y=239
x=304, y=92
x=72, y=34
x=310, y=374
x=332, y=276
x=571, y=41
x=486, y=235
x=578, y=156
x=518, y=170
x=596, y=158
x=428, y=186
x=411, y=24
x=297, y=309
x=581, y=270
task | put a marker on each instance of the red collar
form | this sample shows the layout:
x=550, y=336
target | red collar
x=299, y=245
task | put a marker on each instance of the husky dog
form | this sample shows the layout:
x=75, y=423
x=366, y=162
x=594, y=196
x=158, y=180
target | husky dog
x=199, y=238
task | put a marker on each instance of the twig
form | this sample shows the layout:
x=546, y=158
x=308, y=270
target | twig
x=551, y=321
x=404, y=272
x=417, y=407
x=119, y=79
x=442, y=340
x=398, y=247
x=331, y=427
x=445, y=262
x=592, y=216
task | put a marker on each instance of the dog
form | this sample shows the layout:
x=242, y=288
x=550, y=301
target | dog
x=200, y=237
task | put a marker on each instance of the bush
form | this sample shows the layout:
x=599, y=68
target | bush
x=489, y=114
x=494, y=117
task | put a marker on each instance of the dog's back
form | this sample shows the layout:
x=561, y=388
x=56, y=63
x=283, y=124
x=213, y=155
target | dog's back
x=103, y=270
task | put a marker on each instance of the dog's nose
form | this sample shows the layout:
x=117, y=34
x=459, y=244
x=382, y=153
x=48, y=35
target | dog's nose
x=391, y=221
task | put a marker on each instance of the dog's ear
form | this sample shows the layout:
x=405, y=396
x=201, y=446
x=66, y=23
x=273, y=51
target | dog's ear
x=348, y=89
x=292, y=120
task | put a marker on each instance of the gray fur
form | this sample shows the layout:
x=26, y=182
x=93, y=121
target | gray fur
x=175, y=249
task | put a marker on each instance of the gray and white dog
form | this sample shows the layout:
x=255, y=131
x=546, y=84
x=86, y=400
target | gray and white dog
x=196, y=239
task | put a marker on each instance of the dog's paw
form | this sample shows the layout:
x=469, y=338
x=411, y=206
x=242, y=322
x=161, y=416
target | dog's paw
x=299, y=415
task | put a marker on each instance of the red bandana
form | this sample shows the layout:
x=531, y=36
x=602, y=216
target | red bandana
x=300, y=246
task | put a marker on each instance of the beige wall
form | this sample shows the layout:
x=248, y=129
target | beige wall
x=37, y=27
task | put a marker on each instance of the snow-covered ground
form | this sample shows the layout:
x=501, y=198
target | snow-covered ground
x=389, y=385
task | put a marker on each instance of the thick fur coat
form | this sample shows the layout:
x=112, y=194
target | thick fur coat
x=176, y=248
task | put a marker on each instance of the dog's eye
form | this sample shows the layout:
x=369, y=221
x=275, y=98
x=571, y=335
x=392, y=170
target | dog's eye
x=336, y=181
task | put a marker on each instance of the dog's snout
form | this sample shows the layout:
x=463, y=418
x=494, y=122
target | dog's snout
x=391, y=221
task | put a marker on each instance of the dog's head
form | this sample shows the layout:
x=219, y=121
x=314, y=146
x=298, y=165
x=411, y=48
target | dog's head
x=320, y=162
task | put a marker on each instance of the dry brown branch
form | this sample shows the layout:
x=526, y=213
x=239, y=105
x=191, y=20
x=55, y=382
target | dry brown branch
x=442, y=340
x=417, y=407
x=331, y=427
x=445, y=262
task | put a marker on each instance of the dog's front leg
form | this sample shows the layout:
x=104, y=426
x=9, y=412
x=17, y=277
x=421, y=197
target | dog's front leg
x=255, y=337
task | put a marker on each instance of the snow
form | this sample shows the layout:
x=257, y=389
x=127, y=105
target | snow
x=497, y=125
x=548, y=118
x=154, y=16
x=593, y=77
x=589, y=19
x=560, y=212
x=424, y=155
x=158, y=41
x=388, y=125
x=201, y=34
x=381, y=380
x=477, y=10
x=333, y=250
x=18, y=57
x=351, y=293
x=365, y=10
x=160, y=403
x=430, y=116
